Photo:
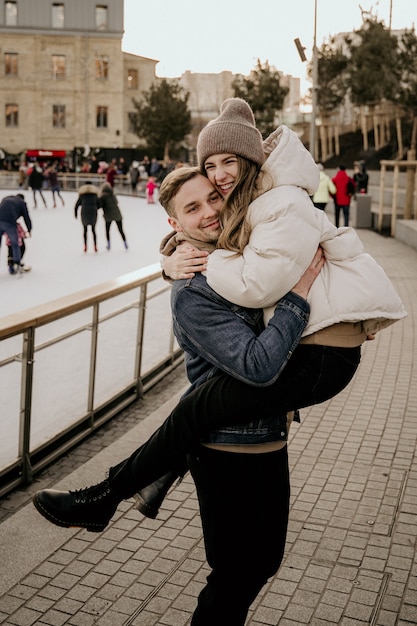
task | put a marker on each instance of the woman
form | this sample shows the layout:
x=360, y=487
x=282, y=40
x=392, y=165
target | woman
x=325, y=190
x=52, y=176
x=111, y=211
x=271, y=229
x=89, y=203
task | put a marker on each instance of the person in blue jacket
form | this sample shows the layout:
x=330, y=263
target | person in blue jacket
x=11, y=209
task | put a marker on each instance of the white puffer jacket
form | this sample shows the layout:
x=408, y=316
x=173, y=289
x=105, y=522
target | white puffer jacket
x=286, y=231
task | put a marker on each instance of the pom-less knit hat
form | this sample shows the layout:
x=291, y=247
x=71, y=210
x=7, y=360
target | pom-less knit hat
x=232, y=132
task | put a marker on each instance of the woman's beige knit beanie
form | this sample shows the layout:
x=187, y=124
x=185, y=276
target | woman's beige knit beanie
x=232, y=132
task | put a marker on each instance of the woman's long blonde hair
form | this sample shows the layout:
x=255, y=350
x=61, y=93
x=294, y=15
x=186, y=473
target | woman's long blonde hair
x=235, y=226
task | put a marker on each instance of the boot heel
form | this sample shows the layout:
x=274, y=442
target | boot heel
x=149, y=499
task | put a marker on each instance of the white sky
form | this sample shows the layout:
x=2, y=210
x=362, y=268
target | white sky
x=219, y=35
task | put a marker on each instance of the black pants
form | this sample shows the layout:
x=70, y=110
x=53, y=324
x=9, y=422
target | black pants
x=313, y=374
x=93, y=232
x=244, y=505
x=10, y=260
x=120, y=229
x=345, y=208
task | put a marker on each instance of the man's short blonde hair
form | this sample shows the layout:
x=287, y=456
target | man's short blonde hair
x=171, y=185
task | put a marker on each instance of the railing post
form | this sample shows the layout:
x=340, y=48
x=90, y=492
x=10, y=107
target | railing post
x=28, y=351
x=139, y=338
x=415, y=192
x=395, y=198
x=381, y=195
x=93, y=361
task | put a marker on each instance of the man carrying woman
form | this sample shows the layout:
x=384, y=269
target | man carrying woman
x=242, y=371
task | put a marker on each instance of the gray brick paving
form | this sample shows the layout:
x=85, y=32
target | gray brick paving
x=351, y=550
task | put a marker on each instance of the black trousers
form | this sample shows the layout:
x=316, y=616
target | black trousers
x=10, y=260
x=119, y=227
x=244, y=505
x=313, y=374
x=93, y=231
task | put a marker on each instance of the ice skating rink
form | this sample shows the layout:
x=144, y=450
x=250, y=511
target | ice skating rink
x=56, y=250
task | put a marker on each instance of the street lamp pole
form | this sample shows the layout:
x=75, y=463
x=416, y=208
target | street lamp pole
x=315, y=87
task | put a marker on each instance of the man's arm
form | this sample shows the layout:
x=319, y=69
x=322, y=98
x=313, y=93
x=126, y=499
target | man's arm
x=26, y=218
x=218, y=333
x=225, y=335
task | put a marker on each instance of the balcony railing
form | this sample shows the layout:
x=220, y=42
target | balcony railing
x=69, y=366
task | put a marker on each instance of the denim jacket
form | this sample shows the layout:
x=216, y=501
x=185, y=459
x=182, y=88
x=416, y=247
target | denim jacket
x=219, y=336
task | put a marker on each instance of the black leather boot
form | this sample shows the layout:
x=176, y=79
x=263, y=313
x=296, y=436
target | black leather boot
x=150, y=498
x=91, y=508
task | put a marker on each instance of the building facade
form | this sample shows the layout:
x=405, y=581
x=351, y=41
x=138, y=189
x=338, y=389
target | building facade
x=64, y=80
x=66, y=86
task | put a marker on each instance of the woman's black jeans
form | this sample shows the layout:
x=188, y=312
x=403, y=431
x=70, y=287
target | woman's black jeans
x=313, y=374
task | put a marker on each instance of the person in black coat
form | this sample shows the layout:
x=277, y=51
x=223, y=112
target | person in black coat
x=89, y=203
x=111, y=212
x=36, y=180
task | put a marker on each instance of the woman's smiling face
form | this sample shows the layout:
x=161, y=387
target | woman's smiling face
x=222, y=171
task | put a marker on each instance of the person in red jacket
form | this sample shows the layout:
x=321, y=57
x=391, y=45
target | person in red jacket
x=345, y=189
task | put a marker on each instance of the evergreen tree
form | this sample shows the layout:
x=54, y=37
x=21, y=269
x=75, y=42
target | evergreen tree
x=263, y=91
x=373, y=64
x=163, y=118
x=407, y=92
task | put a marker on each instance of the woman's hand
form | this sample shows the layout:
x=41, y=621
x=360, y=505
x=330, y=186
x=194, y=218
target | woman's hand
x=185, y=262
x=303, y=286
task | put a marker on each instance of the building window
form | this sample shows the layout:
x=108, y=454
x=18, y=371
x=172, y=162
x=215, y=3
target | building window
x=101, y=117
x=102, y=68
x=10, y=10
x=101, y=17
x=58, y=66
x=132, y=79
x=12, y=115
x=57, y=15
x=58, y=116
x=10, y=63
x=132, y=118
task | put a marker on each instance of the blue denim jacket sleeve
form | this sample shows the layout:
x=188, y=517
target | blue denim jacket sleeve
x=215, y=332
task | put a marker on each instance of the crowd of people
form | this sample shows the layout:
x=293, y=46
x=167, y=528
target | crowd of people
x=141, y=176
x=42, y=177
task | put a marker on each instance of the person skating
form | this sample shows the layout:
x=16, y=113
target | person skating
x=11, y=209
x=111, y=212
x=89, y=203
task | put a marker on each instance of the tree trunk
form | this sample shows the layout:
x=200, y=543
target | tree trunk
x=166, y=152
x=364, y=130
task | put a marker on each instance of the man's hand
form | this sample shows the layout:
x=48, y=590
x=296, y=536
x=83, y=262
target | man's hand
x=184, y=262
x=303, y=286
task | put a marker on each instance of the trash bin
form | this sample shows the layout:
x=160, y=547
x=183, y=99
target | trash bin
x=360, y=211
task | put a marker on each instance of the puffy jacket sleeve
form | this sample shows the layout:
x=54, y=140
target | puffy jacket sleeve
x=284, y=238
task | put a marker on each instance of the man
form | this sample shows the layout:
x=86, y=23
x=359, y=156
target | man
x=11, y=209
x=241, y=473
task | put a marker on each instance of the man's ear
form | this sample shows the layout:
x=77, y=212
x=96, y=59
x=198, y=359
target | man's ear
x=174, y=224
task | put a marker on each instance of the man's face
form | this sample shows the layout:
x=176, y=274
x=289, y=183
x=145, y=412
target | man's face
x=197, y=208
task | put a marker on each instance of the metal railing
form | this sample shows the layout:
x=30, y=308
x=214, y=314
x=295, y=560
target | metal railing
x=69, y=366
x=404, y=191
x=72, y=181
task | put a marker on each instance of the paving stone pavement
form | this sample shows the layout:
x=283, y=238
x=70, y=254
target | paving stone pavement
x=351, y=548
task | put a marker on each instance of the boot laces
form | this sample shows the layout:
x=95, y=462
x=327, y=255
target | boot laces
x=92, y=494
